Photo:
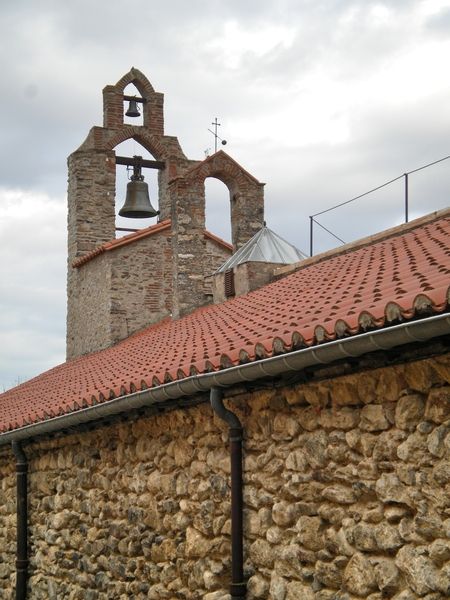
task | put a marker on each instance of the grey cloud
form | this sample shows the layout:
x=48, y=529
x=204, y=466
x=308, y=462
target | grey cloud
x=440, y=23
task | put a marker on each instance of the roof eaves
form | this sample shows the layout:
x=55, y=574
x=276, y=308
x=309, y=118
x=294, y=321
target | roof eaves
x=326, y=353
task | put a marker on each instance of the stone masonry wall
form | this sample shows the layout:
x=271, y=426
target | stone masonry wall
x=346, y=493
x=216, y=255
x=247, y=277
x=88, y=321
x=127, y=289
x=141, y=284
x=121, y=292
x=7, y=520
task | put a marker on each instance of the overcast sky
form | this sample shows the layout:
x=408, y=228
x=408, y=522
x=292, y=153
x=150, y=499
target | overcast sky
x=321, y=99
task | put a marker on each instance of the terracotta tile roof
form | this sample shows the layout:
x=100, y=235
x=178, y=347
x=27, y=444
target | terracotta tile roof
x=139, y=235
x=367, y=287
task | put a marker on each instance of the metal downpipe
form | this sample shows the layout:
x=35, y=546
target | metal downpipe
x=22, y=521
x=238, y=587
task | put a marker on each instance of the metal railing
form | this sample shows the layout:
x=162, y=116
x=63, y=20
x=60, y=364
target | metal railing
x=404, y=176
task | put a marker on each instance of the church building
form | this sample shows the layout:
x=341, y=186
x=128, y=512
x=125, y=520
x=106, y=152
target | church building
x=233, y=420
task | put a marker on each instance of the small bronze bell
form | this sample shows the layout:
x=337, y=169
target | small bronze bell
x=137, y=202
x=133, y=110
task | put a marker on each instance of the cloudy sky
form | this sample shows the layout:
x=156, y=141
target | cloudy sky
x=321, y=99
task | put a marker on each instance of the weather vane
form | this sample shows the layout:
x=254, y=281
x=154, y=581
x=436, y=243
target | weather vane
x=216, y=124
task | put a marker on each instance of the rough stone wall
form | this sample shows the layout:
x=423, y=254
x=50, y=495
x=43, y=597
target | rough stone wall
x=90, y=196
x=188, y=246
x=89, y=319
x=90, y=223
x=346, y=493
x=216, y=255
x=246, y=194
x=120, y=292
x=7, y=521
x=187, y=194
x=141, y=284
x=248, y=276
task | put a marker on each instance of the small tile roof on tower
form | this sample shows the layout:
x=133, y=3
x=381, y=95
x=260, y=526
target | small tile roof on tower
x=394, y=276
x=139, y=235
x=264, y=246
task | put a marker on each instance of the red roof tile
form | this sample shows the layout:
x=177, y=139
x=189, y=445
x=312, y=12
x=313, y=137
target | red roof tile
x=347, y=293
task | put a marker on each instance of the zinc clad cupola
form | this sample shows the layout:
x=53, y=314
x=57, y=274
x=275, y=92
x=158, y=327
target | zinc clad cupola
x=252, y=266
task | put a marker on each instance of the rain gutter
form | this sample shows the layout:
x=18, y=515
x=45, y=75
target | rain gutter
x=329, y=352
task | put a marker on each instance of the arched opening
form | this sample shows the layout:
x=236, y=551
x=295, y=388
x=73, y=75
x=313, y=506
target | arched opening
x=217, y=208
x=132, y=91
x=130, y=148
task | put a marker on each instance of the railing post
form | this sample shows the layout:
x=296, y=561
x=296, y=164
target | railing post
x=311, y=222
x=406, y=197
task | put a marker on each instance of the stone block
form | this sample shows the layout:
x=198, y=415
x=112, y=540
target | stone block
x=437, y=408
x=409, y=411
x=284, y=513
x=257, y=587
x=310, y=532
x=359, y=576
x=277, y=589
x=339, y=494
x=387, y=575
x=419, y=570
x=373, y=418
x=345, y=418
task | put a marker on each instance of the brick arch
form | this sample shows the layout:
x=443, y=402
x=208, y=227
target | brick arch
x=150, y=142
x=231, y=181
x=246, y=194
x=138, y=79
x=152, y=108
x=221, y=166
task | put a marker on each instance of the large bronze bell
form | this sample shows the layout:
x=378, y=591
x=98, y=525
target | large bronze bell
x=137, y=202
x=133, y=110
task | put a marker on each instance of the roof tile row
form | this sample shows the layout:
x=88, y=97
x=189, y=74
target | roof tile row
x=368, y=287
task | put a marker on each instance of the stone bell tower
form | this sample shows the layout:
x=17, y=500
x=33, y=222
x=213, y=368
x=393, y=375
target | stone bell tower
x=118, y=286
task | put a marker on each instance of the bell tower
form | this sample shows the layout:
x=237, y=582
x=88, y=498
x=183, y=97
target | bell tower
x=118, y=286
x=92, y=168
